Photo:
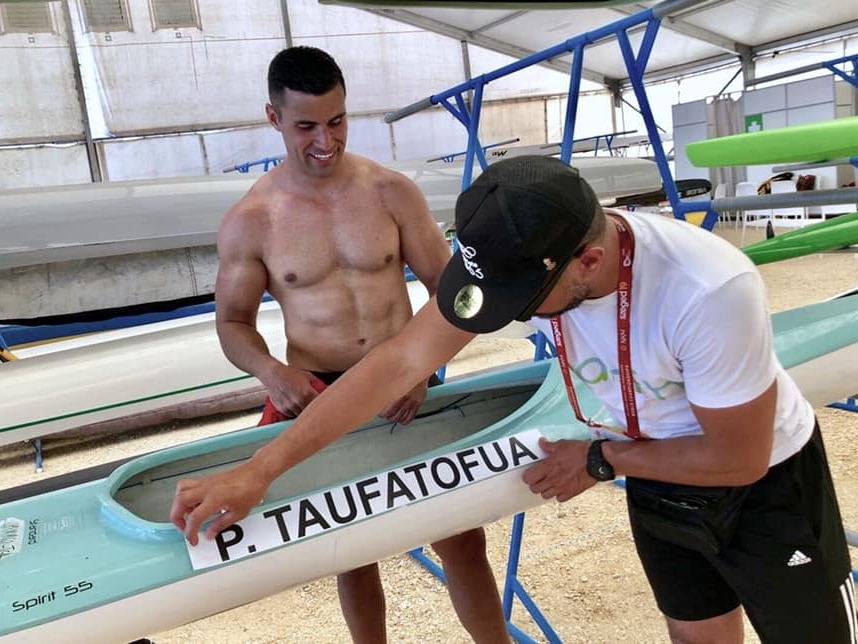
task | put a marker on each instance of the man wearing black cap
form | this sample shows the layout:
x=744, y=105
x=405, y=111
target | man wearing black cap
x=730, y=498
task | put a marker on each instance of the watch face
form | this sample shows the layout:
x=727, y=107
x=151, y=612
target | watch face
x=597, y=466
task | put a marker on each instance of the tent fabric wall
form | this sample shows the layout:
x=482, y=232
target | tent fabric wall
x=149, y=80
x=192, y=154
x=228, y=148
x=428, y=133
x=595, y=116
x=727, y=119
x=371, y=136
x=32, y=166
x=167, y=156
x=39, y=101
x=689, y=124
x=386, y=64
x=174, y=102
x=523, y=119
x=527, y=82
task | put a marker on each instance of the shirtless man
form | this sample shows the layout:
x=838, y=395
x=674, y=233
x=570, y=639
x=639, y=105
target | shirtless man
x=327, y=234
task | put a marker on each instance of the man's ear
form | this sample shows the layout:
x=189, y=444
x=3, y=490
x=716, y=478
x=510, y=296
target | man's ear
x=272, y=116
x=591, y=258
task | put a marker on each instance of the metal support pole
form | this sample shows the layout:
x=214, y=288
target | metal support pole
x=572, y=102
x=287, y=25
x=636, y=66
x=37, y=454
x=786, y=200
x=513, y=588
x=91, y=152
x=830, y=65
x=851, y=78
x=749, y=66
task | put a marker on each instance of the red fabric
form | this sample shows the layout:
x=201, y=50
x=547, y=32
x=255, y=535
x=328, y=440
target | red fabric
x=270, y=413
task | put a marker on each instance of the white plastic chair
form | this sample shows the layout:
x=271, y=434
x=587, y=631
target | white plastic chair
x=753, y=218
x=791, y=216
x=823, y=182
x=720, y=192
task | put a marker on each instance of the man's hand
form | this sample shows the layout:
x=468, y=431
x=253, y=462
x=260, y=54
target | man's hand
x=403, y=410
x=563, y=473
x=291, y=389
x=229, y=496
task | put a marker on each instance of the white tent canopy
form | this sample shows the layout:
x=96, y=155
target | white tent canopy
x=702, y=35
x=79, y=74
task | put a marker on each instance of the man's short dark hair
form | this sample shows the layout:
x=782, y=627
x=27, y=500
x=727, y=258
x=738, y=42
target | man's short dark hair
x=302, y=69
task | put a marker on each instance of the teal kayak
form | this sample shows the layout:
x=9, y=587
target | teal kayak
x=99, y=561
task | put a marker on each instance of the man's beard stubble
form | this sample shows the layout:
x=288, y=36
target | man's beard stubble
x=577, y=294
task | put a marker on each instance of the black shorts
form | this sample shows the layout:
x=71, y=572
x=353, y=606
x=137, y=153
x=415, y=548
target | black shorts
x=776, y=547
x=329, y=377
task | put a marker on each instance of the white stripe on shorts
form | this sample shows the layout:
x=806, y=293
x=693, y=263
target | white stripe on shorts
x=847, y=593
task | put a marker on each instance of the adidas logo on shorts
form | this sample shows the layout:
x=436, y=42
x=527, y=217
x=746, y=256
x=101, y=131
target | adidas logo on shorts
x=798, y=558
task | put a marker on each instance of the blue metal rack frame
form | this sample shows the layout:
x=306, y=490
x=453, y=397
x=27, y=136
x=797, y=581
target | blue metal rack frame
x=849, y=77
x=266, y=163
x=453, y=99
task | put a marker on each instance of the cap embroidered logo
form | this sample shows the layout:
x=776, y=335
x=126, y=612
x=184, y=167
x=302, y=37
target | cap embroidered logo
x=468, y=302
x=468, y=254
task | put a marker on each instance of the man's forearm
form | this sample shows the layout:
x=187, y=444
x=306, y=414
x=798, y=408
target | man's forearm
x=688, y=460
x=386, y=373
x=353, y=399
x=245, y=348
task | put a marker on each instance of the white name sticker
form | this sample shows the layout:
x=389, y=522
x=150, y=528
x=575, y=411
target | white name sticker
x=11, y=536
x=372, y=496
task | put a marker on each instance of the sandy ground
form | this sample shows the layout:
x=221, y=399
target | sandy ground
x=577, y=560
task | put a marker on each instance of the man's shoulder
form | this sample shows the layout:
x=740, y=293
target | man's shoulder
x=392, y=188
x=253, y=205
x=247, y=220
x=675, y=257
x=378, y=173
x=271, y=191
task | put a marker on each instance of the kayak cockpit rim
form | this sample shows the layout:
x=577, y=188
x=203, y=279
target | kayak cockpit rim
x=537, y=378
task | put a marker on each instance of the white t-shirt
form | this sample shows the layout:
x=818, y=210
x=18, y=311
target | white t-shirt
x=700, y=333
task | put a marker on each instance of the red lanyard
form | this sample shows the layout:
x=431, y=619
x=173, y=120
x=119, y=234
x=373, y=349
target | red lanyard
x=624, y=354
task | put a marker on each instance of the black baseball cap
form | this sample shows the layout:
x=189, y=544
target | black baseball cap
x=518, y=226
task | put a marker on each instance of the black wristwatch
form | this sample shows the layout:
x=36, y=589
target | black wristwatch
x=597, y=466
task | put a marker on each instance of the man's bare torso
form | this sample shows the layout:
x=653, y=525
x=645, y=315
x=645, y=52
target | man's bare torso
x=334, y=264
